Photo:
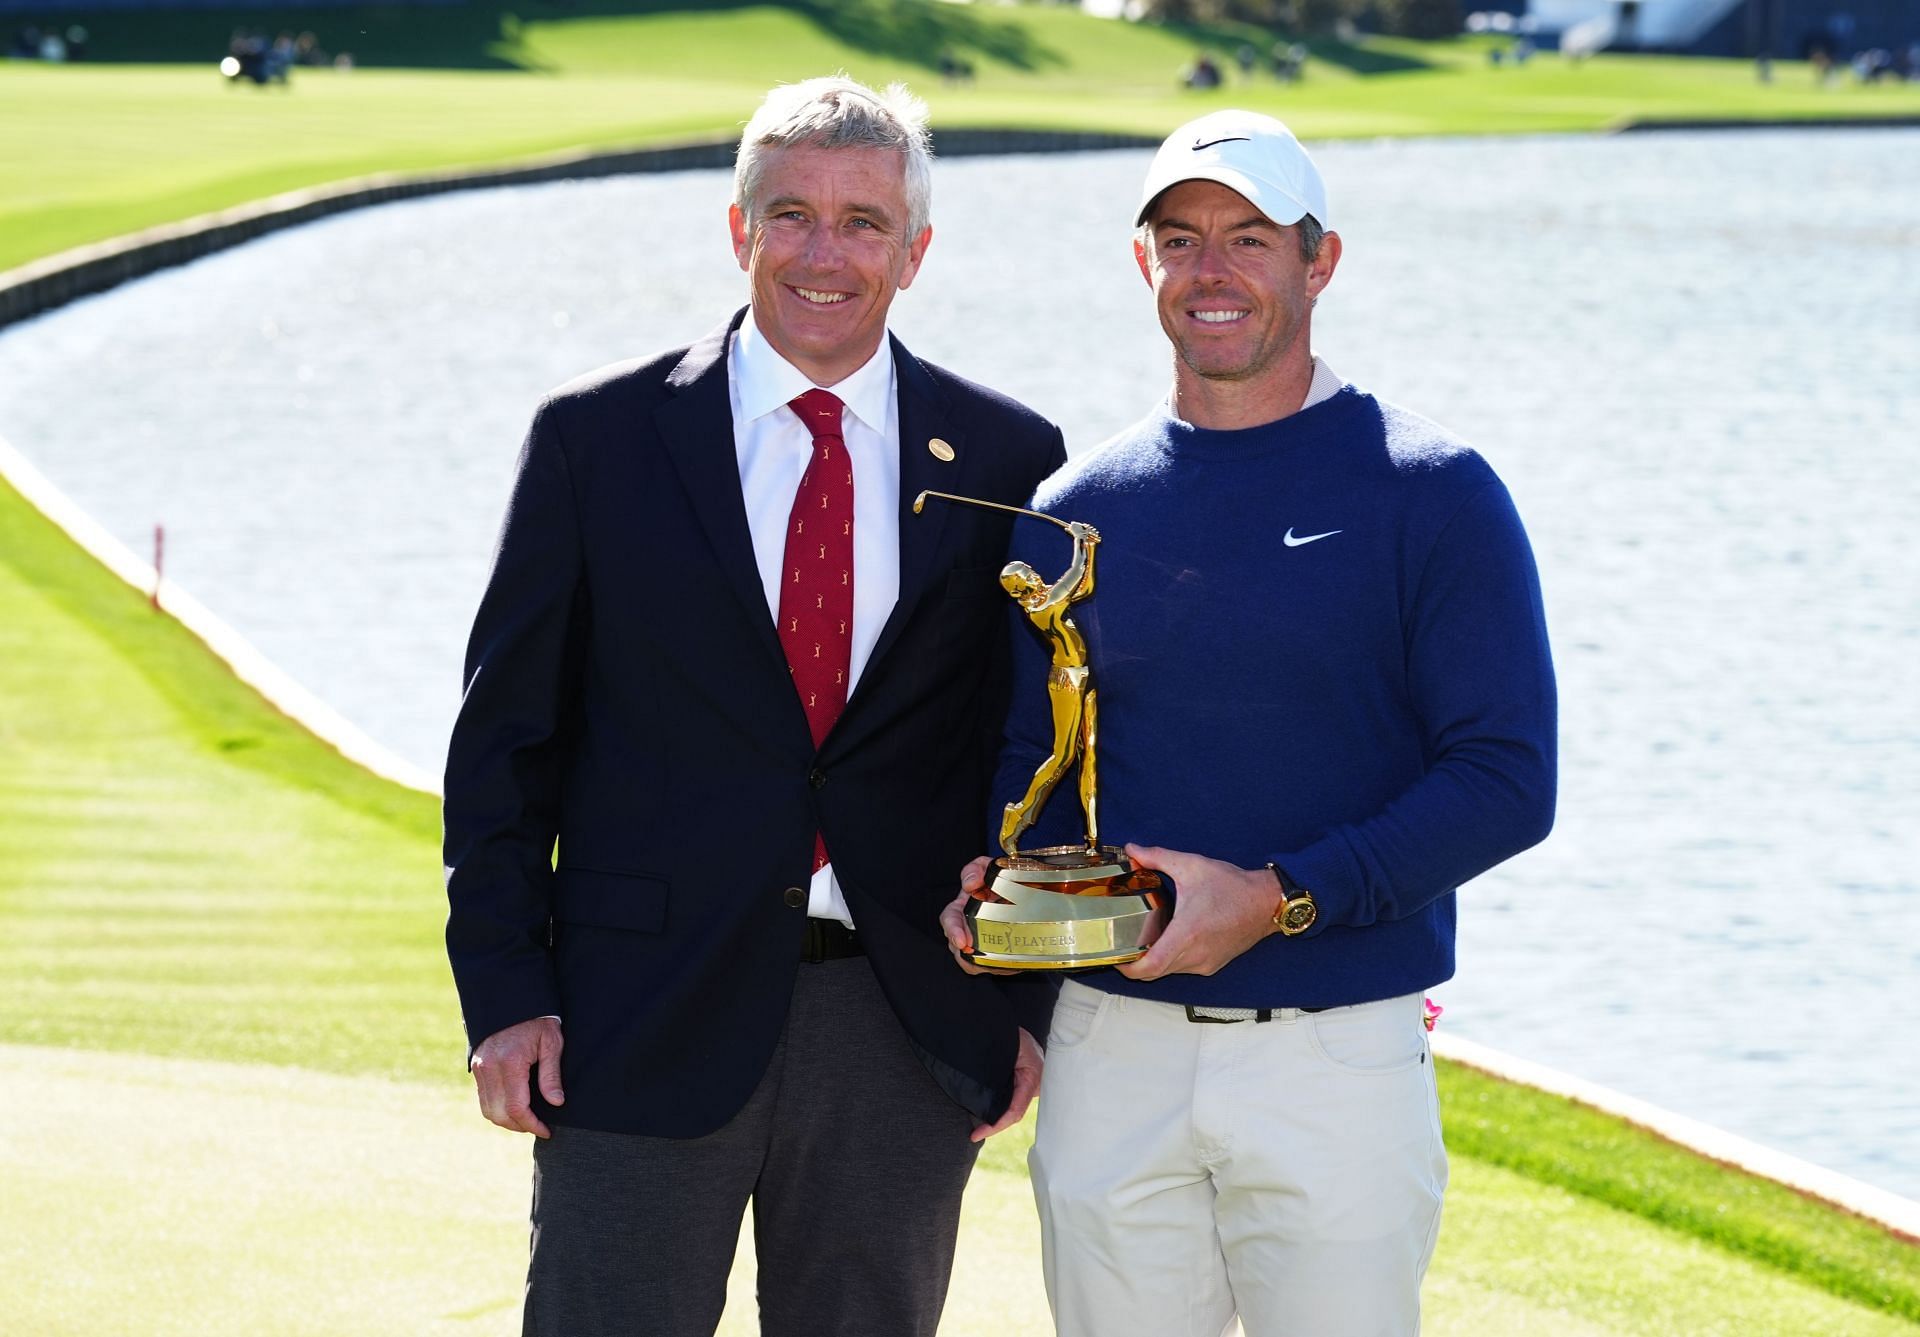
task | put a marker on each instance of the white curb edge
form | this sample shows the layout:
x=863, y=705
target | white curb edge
x=253, y=668
x=1899, y=1215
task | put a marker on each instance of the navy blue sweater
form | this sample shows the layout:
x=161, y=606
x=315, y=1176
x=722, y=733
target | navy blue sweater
x=1372, y=709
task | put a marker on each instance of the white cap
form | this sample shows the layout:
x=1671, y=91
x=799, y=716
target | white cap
x=1247, y=152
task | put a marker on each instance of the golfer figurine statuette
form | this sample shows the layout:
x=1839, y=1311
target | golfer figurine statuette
x=1061, y=907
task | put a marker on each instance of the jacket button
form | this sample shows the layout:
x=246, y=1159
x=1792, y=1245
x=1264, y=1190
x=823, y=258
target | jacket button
x=818, y=779
x=796, y=897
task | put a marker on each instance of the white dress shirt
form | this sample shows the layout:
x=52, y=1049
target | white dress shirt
x=773, y=448
x=1325, y=385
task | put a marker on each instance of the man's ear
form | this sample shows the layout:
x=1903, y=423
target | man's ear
x=1320, y=269
x=742, y=238
x=916, y=252
x=1140, y=258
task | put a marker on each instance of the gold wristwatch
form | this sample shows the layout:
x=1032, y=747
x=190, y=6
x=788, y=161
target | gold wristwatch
x=1296, y=912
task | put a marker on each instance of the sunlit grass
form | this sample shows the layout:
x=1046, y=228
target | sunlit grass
x=117, y=147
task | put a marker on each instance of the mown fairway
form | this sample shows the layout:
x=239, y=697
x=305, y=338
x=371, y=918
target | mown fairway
x=234, y=1102
x=100, y=149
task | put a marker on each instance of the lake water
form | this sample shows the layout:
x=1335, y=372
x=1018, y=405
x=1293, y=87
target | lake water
x=1694, y=358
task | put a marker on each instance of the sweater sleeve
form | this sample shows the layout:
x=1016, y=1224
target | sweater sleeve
x=504, y=762
x=1481, y=684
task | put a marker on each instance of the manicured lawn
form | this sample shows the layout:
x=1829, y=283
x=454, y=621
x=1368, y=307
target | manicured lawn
x=194, y=1197
x=119, y=146
x=235, y=1060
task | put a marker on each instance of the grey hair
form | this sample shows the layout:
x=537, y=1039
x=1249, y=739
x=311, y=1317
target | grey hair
x=1312, y=234
x=835, y=112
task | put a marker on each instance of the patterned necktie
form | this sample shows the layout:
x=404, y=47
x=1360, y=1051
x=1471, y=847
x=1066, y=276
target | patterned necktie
x=816, y=587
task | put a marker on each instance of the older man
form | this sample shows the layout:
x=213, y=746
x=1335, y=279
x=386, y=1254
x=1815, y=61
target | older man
x=1326, y=702
x=748, y=694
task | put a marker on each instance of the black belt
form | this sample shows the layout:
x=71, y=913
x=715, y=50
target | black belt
x=829, y=940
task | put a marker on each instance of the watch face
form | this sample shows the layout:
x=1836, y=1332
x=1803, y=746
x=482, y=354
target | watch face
x=1299, y=914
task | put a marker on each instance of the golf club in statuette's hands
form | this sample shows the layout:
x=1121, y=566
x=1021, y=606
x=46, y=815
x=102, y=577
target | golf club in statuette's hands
x=1061, y=907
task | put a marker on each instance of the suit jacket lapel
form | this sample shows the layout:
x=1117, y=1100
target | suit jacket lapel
x=924, y=415
x=696, y=426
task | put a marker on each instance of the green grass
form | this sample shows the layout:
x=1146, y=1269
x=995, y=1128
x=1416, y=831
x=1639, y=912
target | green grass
x=1597, y=1157
x=188, y=882
x=120, y=146
x=179, y=1196
x=183, y=871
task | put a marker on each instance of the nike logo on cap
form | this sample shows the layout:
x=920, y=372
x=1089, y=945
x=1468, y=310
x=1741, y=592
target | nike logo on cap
x=1199, y=144
x=1304, y=539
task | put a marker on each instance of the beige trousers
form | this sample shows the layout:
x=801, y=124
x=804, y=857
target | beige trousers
x=1286, y=1172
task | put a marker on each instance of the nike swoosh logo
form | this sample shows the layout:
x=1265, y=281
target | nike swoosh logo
x=1293, y=542
x=1199, y=144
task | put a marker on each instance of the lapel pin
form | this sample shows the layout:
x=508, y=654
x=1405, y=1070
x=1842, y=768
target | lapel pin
x=940, y=450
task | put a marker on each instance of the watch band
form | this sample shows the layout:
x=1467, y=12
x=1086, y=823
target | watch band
x=1297, y=910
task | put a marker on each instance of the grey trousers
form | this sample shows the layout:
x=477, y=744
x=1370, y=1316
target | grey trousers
x=853, y=1159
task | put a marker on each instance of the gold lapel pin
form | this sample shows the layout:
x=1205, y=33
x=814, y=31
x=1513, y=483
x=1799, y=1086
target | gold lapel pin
x=940, y=450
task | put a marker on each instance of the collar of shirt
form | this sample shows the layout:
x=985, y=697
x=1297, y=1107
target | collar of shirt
x=1326, y=383
x=765, y=381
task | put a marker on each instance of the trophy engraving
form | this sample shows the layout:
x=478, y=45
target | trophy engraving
x=1061, y=907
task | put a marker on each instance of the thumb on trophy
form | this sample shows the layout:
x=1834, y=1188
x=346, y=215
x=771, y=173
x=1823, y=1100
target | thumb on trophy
x=974, y=875
x=1154, y=857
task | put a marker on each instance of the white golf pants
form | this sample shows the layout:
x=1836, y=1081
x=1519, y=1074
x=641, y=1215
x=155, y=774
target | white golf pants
x=1288, y=1172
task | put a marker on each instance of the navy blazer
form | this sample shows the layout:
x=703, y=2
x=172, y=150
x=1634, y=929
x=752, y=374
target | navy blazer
x=626, y=695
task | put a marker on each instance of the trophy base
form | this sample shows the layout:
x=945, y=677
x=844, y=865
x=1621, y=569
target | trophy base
x=1067, y=908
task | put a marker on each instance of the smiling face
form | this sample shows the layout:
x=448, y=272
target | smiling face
x=826, y=249
x=1236, y=299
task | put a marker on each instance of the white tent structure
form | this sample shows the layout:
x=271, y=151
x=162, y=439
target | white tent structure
x=1586, y=26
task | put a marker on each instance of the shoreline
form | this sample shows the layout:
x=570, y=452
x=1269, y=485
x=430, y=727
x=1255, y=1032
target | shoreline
x=46, y=284
x=43, y=285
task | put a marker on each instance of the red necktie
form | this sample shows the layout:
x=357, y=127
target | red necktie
x=816, y=586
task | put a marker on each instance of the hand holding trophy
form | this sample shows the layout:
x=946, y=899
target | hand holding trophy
x=1061, y=907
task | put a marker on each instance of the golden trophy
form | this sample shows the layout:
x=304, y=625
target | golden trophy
x=1062, y=907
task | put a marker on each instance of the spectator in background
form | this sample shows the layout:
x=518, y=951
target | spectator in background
x=279, y=58
x=954, y=70
x=1203, y=73
x=1289, y=61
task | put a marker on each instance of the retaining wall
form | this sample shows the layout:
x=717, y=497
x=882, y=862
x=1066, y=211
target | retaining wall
x=45, y=284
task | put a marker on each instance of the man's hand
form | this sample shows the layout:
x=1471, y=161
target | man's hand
x=1220, y=910
x=1027, y=1064
x=953, y=919
x=500, y=1068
